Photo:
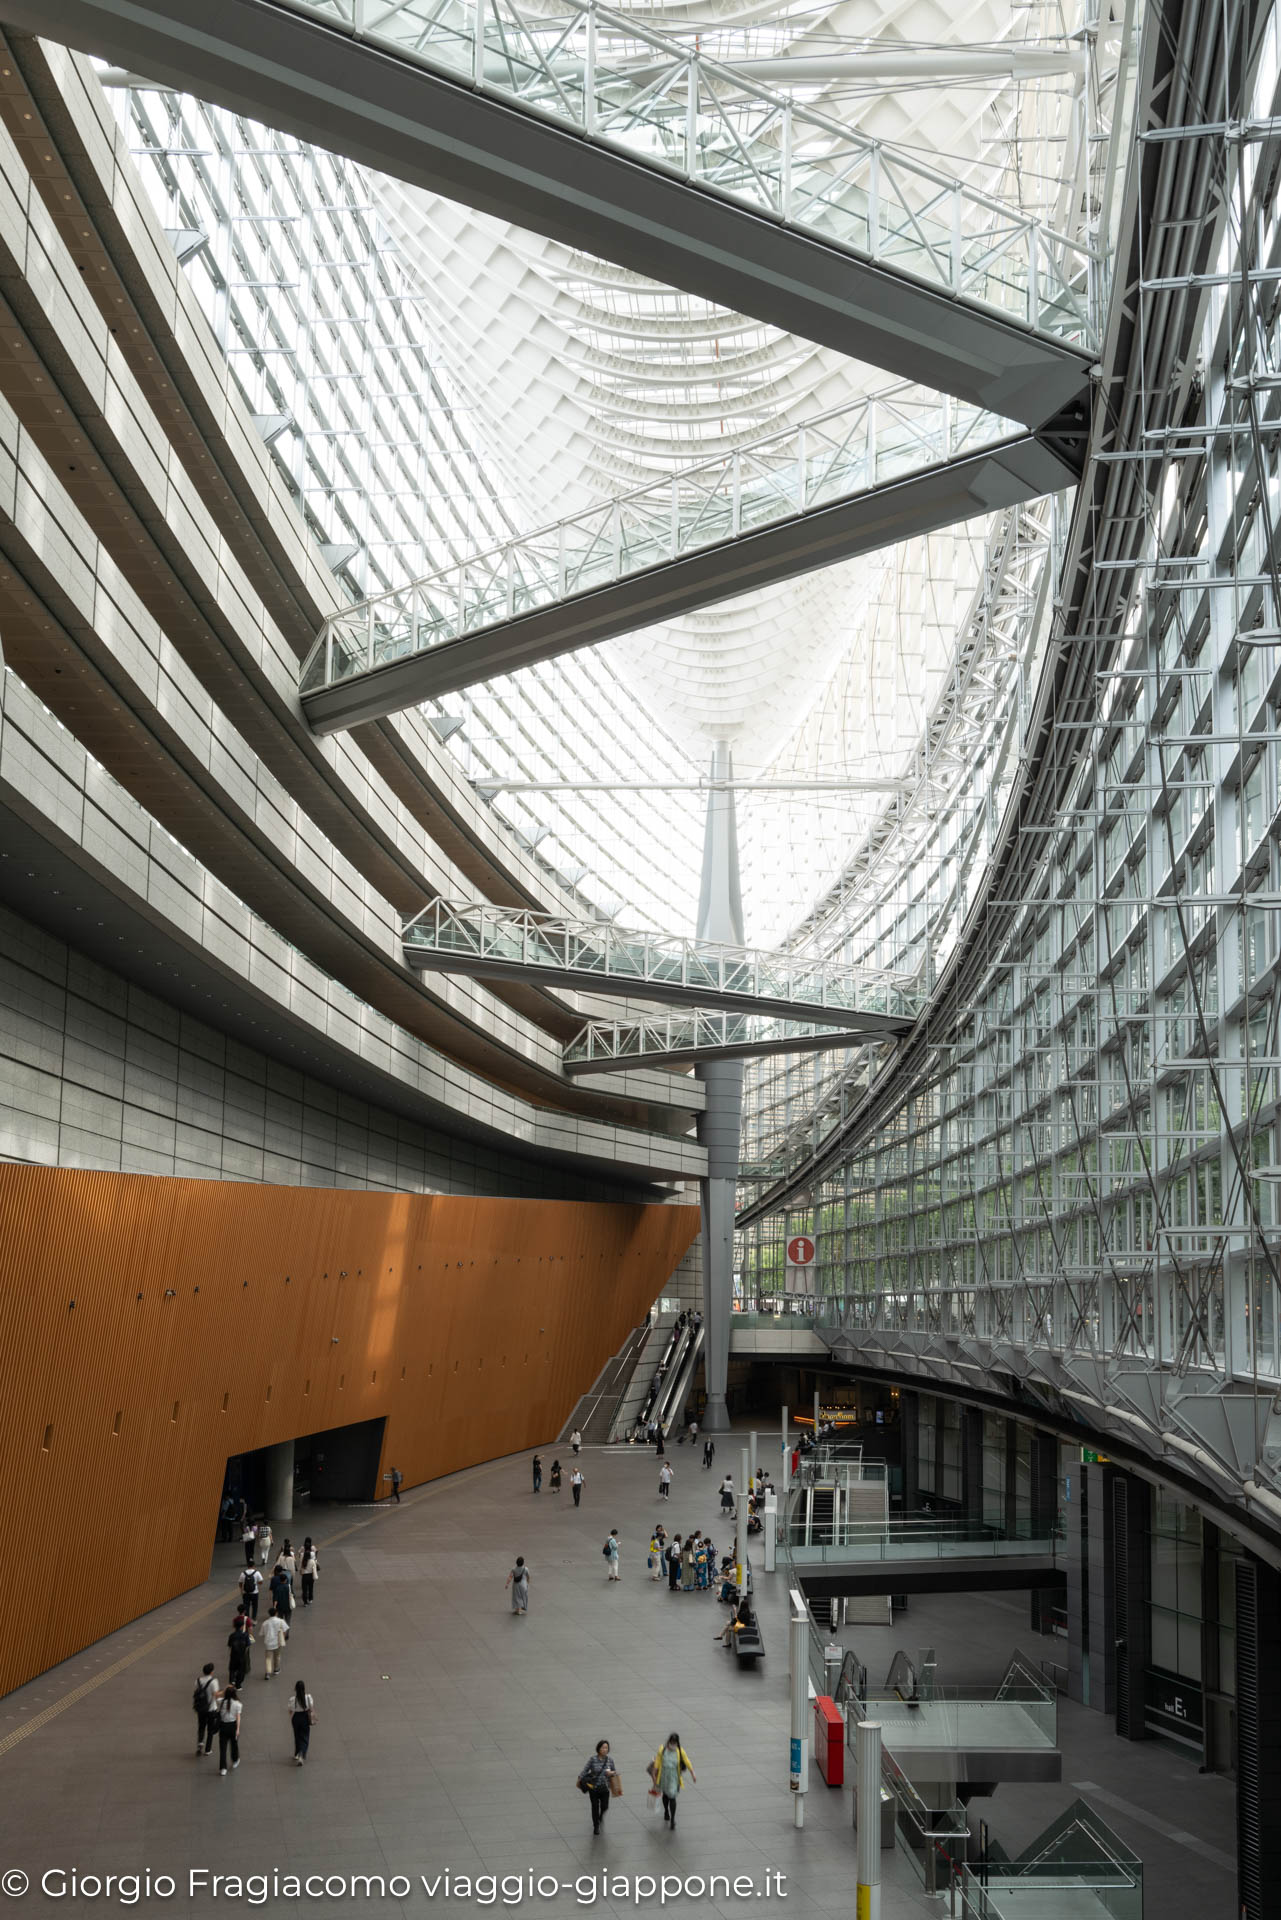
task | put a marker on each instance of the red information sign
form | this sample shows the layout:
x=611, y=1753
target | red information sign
x=800, y=1251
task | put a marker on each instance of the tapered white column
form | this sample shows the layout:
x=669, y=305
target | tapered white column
x=720, y=918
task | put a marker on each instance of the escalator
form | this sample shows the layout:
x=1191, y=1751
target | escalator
x=820, y=1529
x=670, y=1406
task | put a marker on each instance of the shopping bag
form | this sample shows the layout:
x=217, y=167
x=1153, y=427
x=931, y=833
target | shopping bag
x=615, y=1786
x=653, y=1797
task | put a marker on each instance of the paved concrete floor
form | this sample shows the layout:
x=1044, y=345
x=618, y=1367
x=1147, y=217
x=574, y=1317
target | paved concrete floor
x=450, y=1732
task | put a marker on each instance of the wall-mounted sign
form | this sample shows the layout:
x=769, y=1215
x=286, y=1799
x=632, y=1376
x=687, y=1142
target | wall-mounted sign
x=1174, y=1706
x=798, y=1275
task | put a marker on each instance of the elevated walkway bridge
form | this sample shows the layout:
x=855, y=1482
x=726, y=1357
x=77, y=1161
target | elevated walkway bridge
x=882, y=469
x=582, y=124
x=540, y=949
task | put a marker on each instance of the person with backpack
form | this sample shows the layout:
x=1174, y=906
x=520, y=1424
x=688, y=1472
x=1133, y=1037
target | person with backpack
x=239, y=1641
x=275, y=1632
x=229, y=1712
x=309, y=1570
x=204, y=1702
x=667, y=1770
x=594, y=1782
x=250, y=1582
x=610, y=1551
x=302, y=1718
x=518, y=1581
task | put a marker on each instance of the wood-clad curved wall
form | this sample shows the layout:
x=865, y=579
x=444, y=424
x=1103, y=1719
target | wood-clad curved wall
x=151, y=1327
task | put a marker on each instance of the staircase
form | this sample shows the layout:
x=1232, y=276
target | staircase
x=594, y=1414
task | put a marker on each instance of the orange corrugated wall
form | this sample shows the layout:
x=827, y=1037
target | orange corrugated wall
x=473, y=1325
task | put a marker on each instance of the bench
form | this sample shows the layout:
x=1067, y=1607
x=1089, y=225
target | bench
x=748, y=1644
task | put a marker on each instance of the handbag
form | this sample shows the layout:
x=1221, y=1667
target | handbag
x=615, y=1786
x=311, y=1716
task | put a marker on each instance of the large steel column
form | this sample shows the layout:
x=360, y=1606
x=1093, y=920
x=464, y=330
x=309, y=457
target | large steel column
x=279, y=1464
x=720, y=917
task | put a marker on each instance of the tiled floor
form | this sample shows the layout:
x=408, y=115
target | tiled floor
x=450, y=1732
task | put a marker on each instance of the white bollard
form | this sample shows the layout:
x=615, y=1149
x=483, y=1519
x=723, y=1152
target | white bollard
x=867, y=1757
x=798, y=1643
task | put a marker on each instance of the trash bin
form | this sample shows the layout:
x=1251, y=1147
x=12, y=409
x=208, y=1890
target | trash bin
x=829, y=1741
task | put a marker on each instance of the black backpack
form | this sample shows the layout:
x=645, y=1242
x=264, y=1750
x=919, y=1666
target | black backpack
x=606, y=1550
x=200, y=1697
x=239, y=1641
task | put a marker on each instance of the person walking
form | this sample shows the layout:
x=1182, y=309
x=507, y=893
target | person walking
x=709, y=1451
x=594, y=1782
x=250, y=1582
x=693, y=1432
x=287, y=1562
x=576, y=1484
x=229, y=1712
x=248, y=1534
x=575, y=1440
x=538, y=1473
x=282, y=1599
x=310, y=1569
x=518, y=1581
x=610, y=1551
x=397, y=1478
x=204, y=1699
x=239, y=1641
x=555, y=1479
x=667, y=1770
x=264, y=1543
x=673, y=1558
x=275, y=1632
x=302, y=1718
x=665, y=1477
x=727, y=1494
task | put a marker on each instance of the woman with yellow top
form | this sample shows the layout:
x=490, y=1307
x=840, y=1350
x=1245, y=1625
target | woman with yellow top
x=666, y=1770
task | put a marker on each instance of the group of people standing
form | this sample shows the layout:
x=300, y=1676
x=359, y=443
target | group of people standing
x=691, y=1563
x=220, y=1709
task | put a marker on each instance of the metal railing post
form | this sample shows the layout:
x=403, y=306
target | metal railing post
x=589, y=75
